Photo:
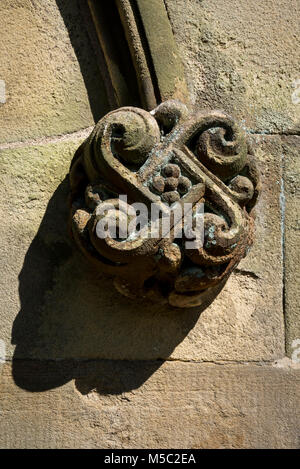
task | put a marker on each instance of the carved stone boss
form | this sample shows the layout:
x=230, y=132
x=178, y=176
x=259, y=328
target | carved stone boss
x=174, y=154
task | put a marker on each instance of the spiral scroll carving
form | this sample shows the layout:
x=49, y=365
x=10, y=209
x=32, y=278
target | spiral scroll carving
x=172, y=155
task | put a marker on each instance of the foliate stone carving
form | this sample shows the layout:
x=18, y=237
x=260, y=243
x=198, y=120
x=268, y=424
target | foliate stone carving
x=171, y=157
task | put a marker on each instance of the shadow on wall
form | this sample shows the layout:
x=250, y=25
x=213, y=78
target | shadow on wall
x=72, y=14
x=71, y=316
x=72, y=323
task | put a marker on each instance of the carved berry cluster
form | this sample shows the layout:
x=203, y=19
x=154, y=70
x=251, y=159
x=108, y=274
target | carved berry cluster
x=170, y=184
x=198, y=157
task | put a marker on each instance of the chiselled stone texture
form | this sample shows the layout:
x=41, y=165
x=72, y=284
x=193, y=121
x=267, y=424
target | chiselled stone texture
x=171, y=158
x=57, y=314
x=242, y=57
x=148, y=405
x=291, y=204
x=56, y=306
x=30, y=177
x=52, y=82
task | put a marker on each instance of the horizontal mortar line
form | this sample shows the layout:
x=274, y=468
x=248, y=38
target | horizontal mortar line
x=199, y=362
x=224, y=362
x=273, y=134
x=82, y=133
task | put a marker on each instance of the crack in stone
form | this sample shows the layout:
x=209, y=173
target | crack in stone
x=247, y=273
x=272, y=362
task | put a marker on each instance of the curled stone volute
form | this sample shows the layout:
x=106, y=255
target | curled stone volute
x=169, y=157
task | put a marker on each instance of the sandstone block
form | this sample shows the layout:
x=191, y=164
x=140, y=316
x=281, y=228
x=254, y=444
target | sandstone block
x=242, y=57
x=140, y=404
x=52, y=83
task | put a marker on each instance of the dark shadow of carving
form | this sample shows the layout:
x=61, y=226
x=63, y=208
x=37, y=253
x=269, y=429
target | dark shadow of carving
x=72, y=14
x=73, y=324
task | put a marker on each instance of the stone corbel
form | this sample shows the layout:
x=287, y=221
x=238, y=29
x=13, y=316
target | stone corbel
x=163, y=153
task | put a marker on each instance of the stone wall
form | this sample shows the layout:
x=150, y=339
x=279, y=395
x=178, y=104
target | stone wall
x=80, y=366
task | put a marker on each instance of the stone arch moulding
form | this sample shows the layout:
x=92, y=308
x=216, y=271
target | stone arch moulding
x=155, y=149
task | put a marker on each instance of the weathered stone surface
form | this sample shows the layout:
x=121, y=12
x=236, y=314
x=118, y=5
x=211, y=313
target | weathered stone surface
x=29, y=178
x=60, y=308
x=102, y=169
x=239, y=56
x=242, y=57
x=148, y=405
x=52, y=82
x=291, y=150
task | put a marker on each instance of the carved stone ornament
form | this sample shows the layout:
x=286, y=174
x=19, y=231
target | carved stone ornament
x=169, y=157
